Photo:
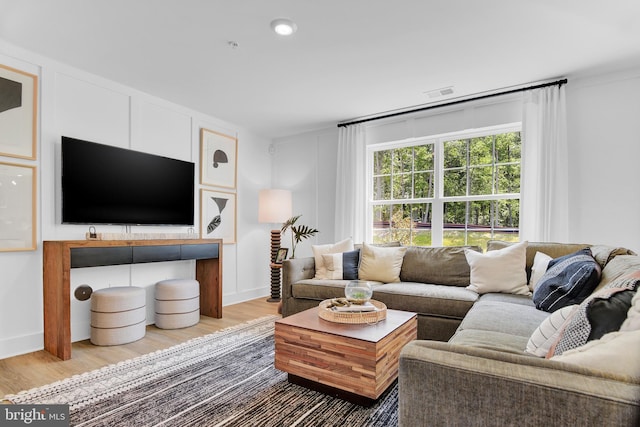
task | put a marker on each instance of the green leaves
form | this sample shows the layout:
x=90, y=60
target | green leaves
x=298, y=232
x=289, y=223
x=303, y=232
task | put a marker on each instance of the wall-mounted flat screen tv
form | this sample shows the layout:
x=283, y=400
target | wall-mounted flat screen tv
x=102, y=184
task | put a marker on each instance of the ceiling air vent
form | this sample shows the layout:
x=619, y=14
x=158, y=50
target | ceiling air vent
x=444, y=91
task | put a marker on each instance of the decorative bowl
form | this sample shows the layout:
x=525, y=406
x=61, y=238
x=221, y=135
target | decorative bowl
x=358, y=291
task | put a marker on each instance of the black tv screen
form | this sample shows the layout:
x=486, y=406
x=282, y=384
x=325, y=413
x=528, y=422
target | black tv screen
x=102, y=184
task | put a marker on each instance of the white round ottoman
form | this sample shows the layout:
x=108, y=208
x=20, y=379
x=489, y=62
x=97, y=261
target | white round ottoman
x=177, y=303
x=118, y=315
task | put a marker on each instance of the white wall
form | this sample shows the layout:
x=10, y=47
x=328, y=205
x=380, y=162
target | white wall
x=306, y=165
x=604, y=150
x=81, y=105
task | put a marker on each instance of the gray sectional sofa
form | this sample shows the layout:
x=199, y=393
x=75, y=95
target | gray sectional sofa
x=432, y=284
x=468, y=366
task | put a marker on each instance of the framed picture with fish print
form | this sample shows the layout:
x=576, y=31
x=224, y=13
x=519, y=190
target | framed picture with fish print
x=218, y=159
x=18, y=113
x=218, y=215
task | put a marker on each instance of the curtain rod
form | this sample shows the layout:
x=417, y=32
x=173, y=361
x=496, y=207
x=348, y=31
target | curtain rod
x=446, y=104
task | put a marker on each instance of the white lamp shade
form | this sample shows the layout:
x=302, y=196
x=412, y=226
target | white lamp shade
x=274, y=206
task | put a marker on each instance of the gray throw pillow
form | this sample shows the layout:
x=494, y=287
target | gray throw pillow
x=602, y=312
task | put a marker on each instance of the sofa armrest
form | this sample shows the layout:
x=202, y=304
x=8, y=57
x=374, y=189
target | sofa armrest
x=448, y=384
x=294, y=270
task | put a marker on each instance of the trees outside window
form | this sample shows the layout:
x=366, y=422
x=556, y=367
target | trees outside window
x=456, y=189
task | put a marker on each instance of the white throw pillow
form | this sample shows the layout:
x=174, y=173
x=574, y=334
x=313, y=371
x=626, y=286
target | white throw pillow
x=549, y=330
x=540, y=264
x=333, y=264
x=319, y=250
x=502, y=270
x=381, y=264
x=613, y=353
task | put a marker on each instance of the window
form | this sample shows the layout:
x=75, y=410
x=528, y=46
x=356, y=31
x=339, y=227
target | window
x=454, y=189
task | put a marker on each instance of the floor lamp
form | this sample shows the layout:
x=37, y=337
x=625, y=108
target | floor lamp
x=274, y=207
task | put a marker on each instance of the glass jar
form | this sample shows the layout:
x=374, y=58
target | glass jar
x=358, y=291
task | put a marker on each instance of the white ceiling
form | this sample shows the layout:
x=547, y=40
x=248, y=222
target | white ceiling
x=349, y=58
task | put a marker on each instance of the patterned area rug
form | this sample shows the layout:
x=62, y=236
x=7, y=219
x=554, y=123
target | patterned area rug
x=223, y=379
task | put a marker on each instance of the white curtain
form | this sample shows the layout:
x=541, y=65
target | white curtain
x=351, y=184
x=544, y=177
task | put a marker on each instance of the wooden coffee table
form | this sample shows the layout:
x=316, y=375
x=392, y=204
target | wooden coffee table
x=356, y=362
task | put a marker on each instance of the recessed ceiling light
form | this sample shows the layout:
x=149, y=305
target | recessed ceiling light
x=283, y=26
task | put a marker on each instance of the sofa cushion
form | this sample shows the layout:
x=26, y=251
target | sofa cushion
x=499, y=271
x=491, y=340
x=318, y=289
x=319, y=250
x=517, y=319
x=539, y=267
x=381, y=264
x=554, y=250
x=613, y=353
x=490, y=323
x=507, y=298
x=618, y=267
x=568, y=280
x=604, y=253
x=501, y=322
x=601, y=313
x=342, y=265
x=438, y=300
x=549, y=331
x=393, y=244
x=437, y=265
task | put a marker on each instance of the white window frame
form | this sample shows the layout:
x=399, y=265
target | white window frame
x=438, y=200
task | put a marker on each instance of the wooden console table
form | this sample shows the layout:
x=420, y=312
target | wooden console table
x=61, y=256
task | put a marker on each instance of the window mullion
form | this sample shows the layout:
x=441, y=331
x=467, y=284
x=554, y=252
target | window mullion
x=437, y=206
x=468, y=169
x=494, y=185
x=391, y=178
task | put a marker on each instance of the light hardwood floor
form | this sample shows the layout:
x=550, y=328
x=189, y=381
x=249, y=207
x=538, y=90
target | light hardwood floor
x=39, y=368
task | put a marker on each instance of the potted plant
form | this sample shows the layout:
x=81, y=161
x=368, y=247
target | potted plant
x=298, y=232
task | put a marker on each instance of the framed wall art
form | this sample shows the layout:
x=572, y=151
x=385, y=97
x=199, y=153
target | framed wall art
x=218, y=215
x=17, y=207
x=218, y=159
x=18, y=113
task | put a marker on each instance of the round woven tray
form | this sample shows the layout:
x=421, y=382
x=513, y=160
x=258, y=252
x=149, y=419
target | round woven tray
x=354, y=318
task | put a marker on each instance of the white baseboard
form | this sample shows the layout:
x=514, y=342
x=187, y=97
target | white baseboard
x=244, y=296
x=21, y=345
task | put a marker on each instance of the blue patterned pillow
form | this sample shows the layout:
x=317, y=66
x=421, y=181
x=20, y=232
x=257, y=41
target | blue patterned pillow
x=569, y=280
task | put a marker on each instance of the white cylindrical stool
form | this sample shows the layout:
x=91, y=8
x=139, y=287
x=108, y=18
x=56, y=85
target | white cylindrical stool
x=118, y=315
x=177, y=303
